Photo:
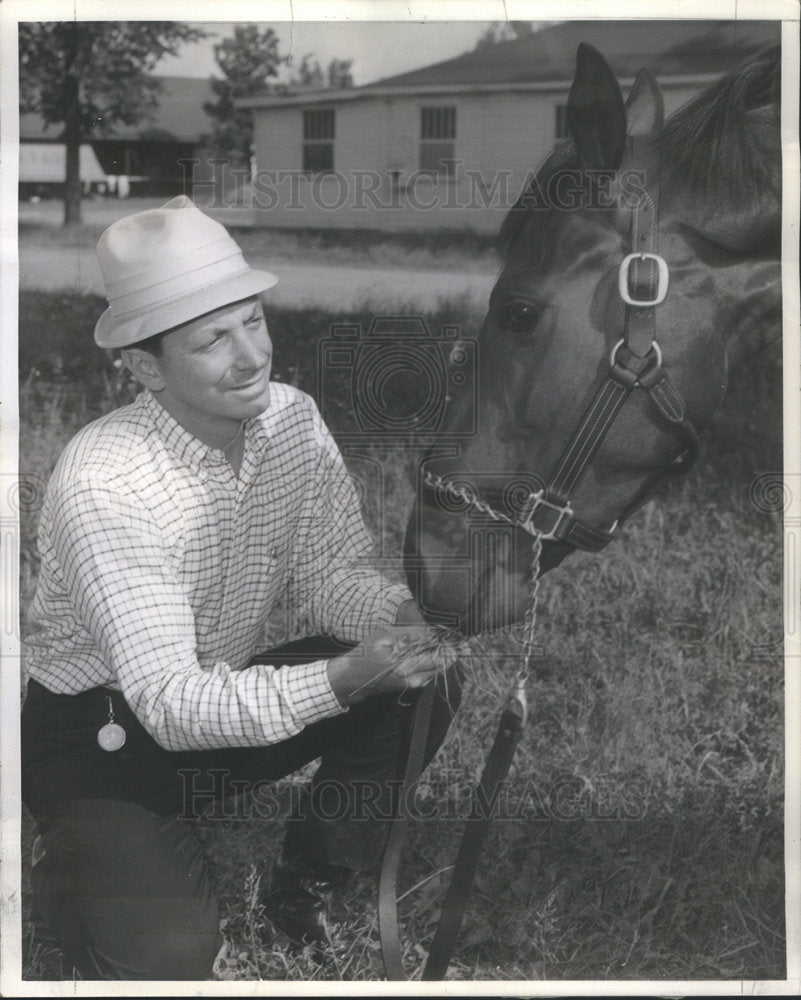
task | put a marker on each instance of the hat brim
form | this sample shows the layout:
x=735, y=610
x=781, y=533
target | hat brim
x=111, y=334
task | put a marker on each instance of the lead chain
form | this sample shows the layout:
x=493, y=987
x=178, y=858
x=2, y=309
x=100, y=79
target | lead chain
x=467, y=496
x=530, y=617
x=527, y=642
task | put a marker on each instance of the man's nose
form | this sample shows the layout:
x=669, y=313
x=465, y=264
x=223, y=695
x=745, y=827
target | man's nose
x=252, y=352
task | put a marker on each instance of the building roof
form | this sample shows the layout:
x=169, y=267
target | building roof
x=666, y=48
x=179, y=116
x=678, y=51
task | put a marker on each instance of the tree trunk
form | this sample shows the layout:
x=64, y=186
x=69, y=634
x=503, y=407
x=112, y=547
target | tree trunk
x=72, y=131
x=72, y=181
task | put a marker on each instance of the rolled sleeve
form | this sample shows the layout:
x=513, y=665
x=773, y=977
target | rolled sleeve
x=307, y=692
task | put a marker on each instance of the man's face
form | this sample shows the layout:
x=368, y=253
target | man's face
x=216, y=370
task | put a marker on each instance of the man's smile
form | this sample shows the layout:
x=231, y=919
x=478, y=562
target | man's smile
x=252, y=382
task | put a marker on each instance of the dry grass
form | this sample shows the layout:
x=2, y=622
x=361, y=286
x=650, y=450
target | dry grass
x=642, y=826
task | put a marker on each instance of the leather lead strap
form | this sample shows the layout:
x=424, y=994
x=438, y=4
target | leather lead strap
x=390, y=866
x=484, y=798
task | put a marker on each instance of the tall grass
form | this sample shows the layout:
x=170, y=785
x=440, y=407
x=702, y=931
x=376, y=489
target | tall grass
x=640, y=834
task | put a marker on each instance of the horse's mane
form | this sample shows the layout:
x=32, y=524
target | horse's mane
x=561, y=157
x=704, y=143
x=703, y=148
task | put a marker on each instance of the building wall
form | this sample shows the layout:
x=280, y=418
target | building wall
x=46, y=163
x=500, y=139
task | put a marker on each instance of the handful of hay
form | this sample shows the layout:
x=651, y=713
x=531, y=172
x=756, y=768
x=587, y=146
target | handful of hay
x=445, y=645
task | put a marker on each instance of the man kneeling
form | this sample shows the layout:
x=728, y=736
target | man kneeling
x=170, y=531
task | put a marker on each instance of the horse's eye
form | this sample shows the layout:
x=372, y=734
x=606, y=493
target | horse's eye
x=519, y=316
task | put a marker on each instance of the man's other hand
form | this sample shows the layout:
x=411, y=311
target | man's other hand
x=390, y=660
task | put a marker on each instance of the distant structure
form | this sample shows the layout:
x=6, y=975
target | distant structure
x=151, y=158
x=450, y=145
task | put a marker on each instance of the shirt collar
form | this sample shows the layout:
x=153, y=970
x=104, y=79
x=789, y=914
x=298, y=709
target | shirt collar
x=184, y=445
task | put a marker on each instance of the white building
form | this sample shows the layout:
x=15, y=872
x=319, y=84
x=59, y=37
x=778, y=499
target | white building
x=42, y=164
x=450, y=145
x=157, y=156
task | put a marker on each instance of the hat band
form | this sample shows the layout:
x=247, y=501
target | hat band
x=159, y=266
x=153, y=297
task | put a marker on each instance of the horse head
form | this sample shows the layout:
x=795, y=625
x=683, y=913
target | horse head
x=641, y=267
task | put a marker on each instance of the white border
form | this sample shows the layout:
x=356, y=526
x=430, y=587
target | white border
x=10, y=803
x=791, y=347
x=11, y=11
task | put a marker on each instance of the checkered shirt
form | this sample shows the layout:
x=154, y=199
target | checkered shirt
x=160, y=569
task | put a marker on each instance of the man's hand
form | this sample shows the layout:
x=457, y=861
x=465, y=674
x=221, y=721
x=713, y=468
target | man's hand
x=389, y=661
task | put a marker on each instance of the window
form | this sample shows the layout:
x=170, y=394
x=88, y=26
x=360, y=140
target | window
x=318, y=141
x=561, y=130
x=437, y=134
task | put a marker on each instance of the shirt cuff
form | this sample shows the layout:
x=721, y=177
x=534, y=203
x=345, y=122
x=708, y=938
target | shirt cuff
x=307, y=692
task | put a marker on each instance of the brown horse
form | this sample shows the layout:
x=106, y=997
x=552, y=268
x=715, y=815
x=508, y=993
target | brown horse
x=641, y=267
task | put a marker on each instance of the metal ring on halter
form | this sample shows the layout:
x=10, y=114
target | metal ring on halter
x=654, y=347
x=538, y=502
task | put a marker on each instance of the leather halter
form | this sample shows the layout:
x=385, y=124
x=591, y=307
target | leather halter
x=636, y=362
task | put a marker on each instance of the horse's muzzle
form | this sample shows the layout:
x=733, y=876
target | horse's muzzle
x=469, y=574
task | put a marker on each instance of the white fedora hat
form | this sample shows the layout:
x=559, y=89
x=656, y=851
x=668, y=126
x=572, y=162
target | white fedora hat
x=166, y=266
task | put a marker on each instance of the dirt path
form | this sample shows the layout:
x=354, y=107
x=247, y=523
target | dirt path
x=47, y=263
x=330, y=287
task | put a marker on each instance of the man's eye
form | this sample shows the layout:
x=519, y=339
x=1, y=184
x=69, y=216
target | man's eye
x=519, y=316
x=215, y=339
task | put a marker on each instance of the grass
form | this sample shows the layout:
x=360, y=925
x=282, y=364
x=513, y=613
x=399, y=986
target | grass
x=641, y=835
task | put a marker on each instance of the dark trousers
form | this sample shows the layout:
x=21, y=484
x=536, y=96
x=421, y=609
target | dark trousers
x=123, y=884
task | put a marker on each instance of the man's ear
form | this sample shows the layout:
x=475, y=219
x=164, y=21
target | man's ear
x=143, y=367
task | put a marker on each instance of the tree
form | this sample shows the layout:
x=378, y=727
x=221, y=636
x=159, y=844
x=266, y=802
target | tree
x=503, y=31
x=248, y=61
x=90, y=76
x=339, y=74
x=310, y=75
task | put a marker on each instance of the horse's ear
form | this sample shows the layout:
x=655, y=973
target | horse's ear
x=645, y=107
x=596, y=116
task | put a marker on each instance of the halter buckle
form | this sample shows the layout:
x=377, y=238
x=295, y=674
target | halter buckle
x=662, y=280
x=538, y=503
